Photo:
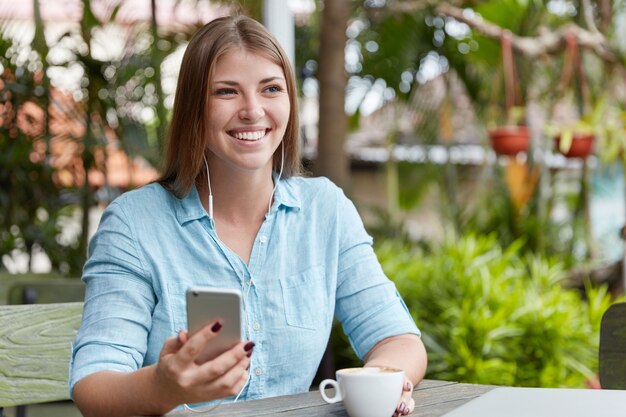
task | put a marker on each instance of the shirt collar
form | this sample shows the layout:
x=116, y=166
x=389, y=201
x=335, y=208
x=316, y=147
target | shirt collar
x=190, y=208
x=287, y=193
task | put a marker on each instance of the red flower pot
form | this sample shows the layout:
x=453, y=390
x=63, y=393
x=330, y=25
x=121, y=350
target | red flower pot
x=581, y=147
x=509, y=140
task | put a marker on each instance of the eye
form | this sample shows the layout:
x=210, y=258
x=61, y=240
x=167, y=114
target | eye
x=274, y=89
x=225, y=91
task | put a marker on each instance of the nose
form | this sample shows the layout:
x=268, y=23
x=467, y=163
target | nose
x=252, y=109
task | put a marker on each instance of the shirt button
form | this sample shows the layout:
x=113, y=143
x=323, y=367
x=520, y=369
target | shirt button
x=263, y=239
x=258, y=371
x=256, y=326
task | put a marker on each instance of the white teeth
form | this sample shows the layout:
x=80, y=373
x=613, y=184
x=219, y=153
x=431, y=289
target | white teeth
x=249, y=135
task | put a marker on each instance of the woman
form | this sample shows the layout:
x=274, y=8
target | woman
x=231, y=211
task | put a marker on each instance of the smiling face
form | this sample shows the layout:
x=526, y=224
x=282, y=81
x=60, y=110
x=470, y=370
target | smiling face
x=247, y=113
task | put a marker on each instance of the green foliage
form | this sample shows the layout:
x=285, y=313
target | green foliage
x=399, y=49
x=33, y=206
x=491, y=315
x=120, y=95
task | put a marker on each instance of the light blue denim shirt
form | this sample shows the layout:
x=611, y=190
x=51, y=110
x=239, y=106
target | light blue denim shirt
x=312, y=260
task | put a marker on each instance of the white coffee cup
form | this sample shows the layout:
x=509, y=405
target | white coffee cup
x=366, y=392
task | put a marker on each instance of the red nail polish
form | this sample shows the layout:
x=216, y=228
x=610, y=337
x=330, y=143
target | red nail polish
x=216, y=327
x=248, y=346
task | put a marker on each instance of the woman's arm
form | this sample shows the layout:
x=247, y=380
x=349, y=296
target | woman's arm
x=404, y=352
x=108, y=393
x=176, y=379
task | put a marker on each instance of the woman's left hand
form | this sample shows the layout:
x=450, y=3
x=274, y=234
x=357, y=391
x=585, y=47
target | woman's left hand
x=406, y=352
x=407, y=403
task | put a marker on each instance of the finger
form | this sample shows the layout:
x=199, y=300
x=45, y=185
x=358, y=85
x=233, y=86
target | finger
x=194, y=345
x=171, y=345
x=406, y=404
x=410, y=406
x=232, y=381
x=408, y=397
x=226, y=361
x=401, y=408
x=408, y=386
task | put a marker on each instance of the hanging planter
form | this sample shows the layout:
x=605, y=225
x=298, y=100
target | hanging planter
x=575, y=139
x=510, y=138
x=580, y=145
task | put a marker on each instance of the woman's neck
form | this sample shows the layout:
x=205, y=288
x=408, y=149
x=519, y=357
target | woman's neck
x=238, y=198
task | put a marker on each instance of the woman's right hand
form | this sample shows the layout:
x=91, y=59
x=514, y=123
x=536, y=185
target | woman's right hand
x=181, y=380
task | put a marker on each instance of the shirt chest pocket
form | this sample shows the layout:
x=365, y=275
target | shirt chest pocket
x=305, y=298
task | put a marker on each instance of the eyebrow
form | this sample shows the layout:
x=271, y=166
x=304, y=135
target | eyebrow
x=263, y=81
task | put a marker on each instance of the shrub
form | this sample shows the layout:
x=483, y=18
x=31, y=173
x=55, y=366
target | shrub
x=493, y=316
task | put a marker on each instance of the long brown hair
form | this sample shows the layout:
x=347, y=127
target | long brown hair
x=186, y=142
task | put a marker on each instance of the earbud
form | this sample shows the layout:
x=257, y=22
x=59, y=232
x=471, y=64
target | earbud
x=208, y=179
x=210, y=206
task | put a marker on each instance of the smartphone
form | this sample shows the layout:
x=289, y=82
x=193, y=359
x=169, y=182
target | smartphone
x=207, y=304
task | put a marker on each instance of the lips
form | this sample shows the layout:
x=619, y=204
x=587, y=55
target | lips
x=249, y=135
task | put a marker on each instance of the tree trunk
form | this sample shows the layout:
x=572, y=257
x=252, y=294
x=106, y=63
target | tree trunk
x=161, y=131
x=331, y=160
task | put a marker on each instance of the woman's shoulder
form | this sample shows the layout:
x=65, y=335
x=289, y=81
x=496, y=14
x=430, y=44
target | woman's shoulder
x=315, y=193
x=144, y=199
x=313, y=186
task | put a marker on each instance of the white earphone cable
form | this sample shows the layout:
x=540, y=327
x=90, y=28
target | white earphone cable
x=280, y=173
x=247, y=290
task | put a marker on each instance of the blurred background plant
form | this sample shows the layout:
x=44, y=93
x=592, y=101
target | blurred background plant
x=33, y=206
x=494, y=315
x=537, y=196
x=104, y=111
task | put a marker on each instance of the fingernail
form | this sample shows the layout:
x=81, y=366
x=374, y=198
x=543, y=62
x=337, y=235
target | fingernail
x=216, y=327
x=248, y=347
x=249, y=354
x=408, y=386
x=402, y=406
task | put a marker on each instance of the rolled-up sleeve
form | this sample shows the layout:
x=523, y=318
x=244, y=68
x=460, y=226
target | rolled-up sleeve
x=368, y=305
x=119, y=302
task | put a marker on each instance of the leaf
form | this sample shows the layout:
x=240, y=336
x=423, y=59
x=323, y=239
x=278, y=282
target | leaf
x=493, y=315
x=521, y=182
x=565, y=140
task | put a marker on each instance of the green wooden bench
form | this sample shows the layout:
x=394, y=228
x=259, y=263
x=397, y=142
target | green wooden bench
x=34, y=352
x=613, y=347
x=39, y=288
x=46, y=291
